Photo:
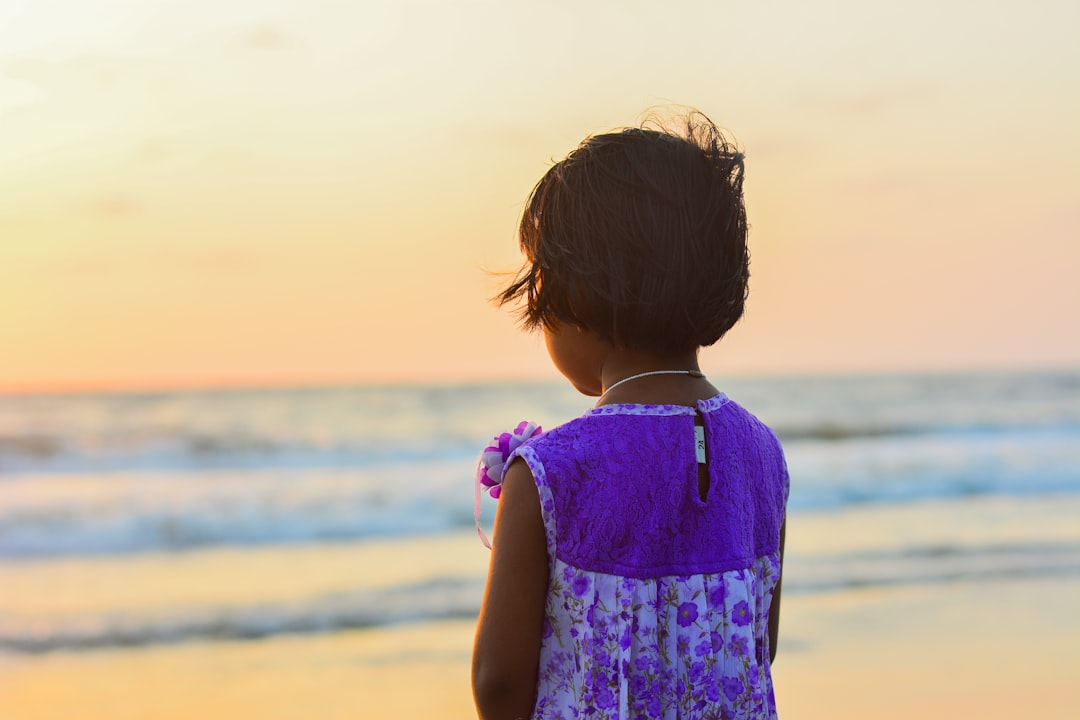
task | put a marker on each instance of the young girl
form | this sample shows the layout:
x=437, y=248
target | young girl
x=635, y=570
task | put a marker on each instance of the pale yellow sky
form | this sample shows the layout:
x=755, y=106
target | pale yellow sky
x=285, y=191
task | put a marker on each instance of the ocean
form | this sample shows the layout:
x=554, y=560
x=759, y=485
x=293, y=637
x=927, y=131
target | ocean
x=141, y=519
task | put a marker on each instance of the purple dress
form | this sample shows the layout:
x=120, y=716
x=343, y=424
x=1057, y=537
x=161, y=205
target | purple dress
x=658, y=602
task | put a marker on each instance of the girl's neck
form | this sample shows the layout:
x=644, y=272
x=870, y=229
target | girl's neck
x=684, y=388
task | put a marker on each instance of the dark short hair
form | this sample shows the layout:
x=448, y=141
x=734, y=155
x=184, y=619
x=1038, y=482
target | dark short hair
x=639, y=236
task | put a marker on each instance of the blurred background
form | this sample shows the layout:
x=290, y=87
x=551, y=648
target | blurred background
x=247, y=357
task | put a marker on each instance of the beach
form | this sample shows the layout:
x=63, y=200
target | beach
x=264, y=555
x=877, y=659
x=933, y=653
x=993, y=638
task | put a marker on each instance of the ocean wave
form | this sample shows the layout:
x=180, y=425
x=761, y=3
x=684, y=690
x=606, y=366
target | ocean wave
x=930, y=565
x=456, y=597
x=361, y=427
x=131, y=512
x=198, y=452
x=44, y=516
x=434, y=599
x=117, y=473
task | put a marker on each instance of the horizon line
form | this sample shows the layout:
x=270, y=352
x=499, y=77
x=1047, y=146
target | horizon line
x=137, y=387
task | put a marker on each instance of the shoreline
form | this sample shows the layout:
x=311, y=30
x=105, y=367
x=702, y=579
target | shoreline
x=941, y=651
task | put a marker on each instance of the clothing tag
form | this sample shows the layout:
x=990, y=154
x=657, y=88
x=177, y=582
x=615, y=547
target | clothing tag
x=699, y=442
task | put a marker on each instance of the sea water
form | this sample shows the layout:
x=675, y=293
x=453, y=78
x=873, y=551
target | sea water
x=138, y=519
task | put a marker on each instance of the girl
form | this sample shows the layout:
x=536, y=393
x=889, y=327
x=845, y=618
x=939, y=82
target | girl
x=636, y=564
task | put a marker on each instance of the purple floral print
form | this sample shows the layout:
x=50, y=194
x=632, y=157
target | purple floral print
x=733, y=687
x=716, y=595
x=657, y=602
x=687, y=614
x=737, y=645
x=741, y=615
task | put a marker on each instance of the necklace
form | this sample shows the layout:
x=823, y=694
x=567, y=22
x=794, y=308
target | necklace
x=691, y=373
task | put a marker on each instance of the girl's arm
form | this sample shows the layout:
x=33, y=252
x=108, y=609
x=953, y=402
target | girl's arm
x=507, y=651
x=774, y=608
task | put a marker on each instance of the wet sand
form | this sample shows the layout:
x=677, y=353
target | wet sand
x=951, y=639
x=993, y=650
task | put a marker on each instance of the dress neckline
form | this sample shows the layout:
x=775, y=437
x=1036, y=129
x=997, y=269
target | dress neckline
x=706, y=405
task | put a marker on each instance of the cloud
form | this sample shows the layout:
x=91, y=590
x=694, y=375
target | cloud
x=15, y=92
x=864, y=104
x=153, y=259
x=115, y=206
x=879, y=184
x=267, y=37
x=776, y=145
x=224, y=261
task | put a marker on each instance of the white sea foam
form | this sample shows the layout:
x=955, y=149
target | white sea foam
x=884, y=551
x=432, y=599
x=122, y=473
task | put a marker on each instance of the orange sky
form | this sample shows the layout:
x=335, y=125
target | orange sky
x=284, y=191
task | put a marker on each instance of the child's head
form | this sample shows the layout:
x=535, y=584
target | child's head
x=639, y=237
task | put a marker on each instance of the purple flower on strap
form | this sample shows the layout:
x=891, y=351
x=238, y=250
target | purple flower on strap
x=492, y=464
x=493, y=460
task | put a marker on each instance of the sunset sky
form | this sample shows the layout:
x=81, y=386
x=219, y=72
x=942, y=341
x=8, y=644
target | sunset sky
x=210, y=193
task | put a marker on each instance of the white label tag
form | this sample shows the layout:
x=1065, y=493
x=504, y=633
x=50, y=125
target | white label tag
x=699, y=443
